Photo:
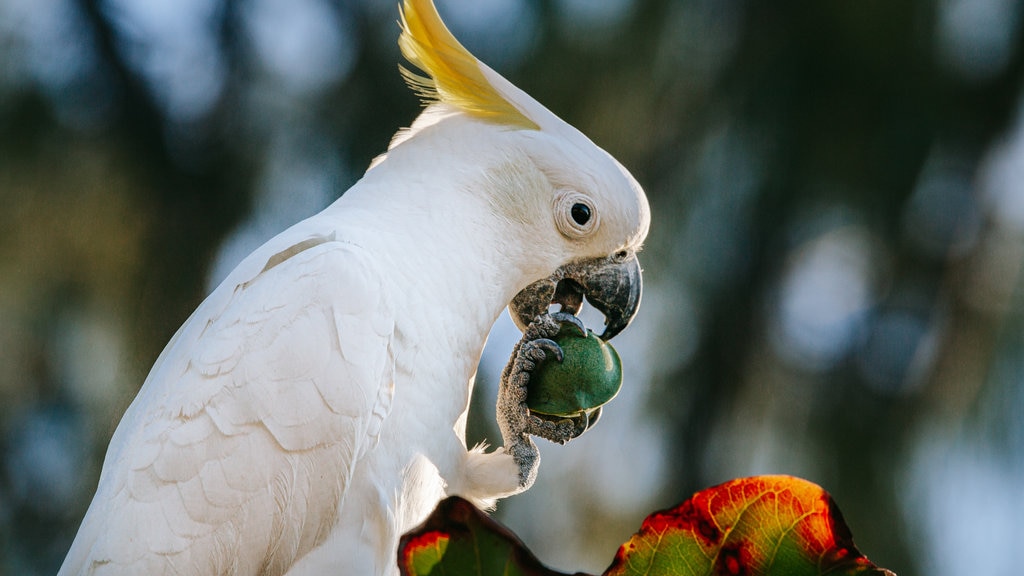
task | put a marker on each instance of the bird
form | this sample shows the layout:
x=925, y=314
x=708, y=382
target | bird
x=313, y=407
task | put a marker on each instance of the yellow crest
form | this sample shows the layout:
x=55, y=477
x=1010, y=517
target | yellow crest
x=454, y=75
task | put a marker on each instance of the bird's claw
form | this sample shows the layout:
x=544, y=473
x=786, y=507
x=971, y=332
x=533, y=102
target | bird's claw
x=558, y=431
x=515, y=419
x=539, y=349
x=565, y=318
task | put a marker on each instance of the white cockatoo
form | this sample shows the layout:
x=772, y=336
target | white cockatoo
x=313, y=408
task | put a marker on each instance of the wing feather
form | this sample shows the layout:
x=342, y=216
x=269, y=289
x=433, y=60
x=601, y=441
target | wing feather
x=241, y=444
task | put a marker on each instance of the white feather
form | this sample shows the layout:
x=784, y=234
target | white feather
x=244, y=438
x=313, y=407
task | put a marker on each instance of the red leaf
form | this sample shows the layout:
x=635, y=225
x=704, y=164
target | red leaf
x=766, y=525
x=459, y=539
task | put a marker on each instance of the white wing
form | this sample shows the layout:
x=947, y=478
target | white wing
x=240, y=446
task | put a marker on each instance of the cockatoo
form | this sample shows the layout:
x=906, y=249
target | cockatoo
x=313, y=408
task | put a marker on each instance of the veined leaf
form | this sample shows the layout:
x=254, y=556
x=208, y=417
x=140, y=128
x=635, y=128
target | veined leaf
x=460, y=540
x=760, y=526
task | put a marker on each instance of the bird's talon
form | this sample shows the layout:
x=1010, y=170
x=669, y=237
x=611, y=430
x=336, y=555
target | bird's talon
x=547, y=346
x=566, y=318
x=515, y=419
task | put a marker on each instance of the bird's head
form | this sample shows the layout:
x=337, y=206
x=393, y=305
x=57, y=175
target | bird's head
x=581, y=216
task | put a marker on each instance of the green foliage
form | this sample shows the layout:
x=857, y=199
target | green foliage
x=759, y=526
x=756, y=129
x=460, y=539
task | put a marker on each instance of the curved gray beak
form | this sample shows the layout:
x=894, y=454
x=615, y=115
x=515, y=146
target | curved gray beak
x=612, y=285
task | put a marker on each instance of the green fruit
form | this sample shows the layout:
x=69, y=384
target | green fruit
x=588, y=376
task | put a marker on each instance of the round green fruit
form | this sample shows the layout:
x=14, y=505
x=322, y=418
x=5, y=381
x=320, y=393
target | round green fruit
x=589, y=375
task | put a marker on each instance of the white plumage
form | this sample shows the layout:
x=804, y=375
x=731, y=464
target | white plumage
x=313, y=407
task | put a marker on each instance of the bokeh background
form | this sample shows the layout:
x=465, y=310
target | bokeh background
x=833, y=277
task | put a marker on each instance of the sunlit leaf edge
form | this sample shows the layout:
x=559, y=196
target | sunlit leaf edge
x=836, y=554
x=452, y=522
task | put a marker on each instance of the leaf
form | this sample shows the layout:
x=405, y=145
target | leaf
x=458, y=539
x=763, y=526
x=760, y=526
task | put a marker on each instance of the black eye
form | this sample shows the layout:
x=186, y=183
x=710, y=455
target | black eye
x=580, y=213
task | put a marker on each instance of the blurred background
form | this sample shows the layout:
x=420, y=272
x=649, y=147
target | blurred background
x=833, y=276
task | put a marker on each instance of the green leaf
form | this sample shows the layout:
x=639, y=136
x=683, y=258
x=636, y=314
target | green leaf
x=460, y=540
x=760, y=526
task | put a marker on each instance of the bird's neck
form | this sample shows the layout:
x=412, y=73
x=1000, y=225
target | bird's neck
x=451, y=240
x=441, y=261
x=453, y=265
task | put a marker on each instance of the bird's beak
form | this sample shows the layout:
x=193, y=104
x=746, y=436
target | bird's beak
x=612, y=285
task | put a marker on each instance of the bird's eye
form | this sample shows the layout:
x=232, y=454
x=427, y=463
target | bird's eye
x=575, y=214
x=580, y=213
